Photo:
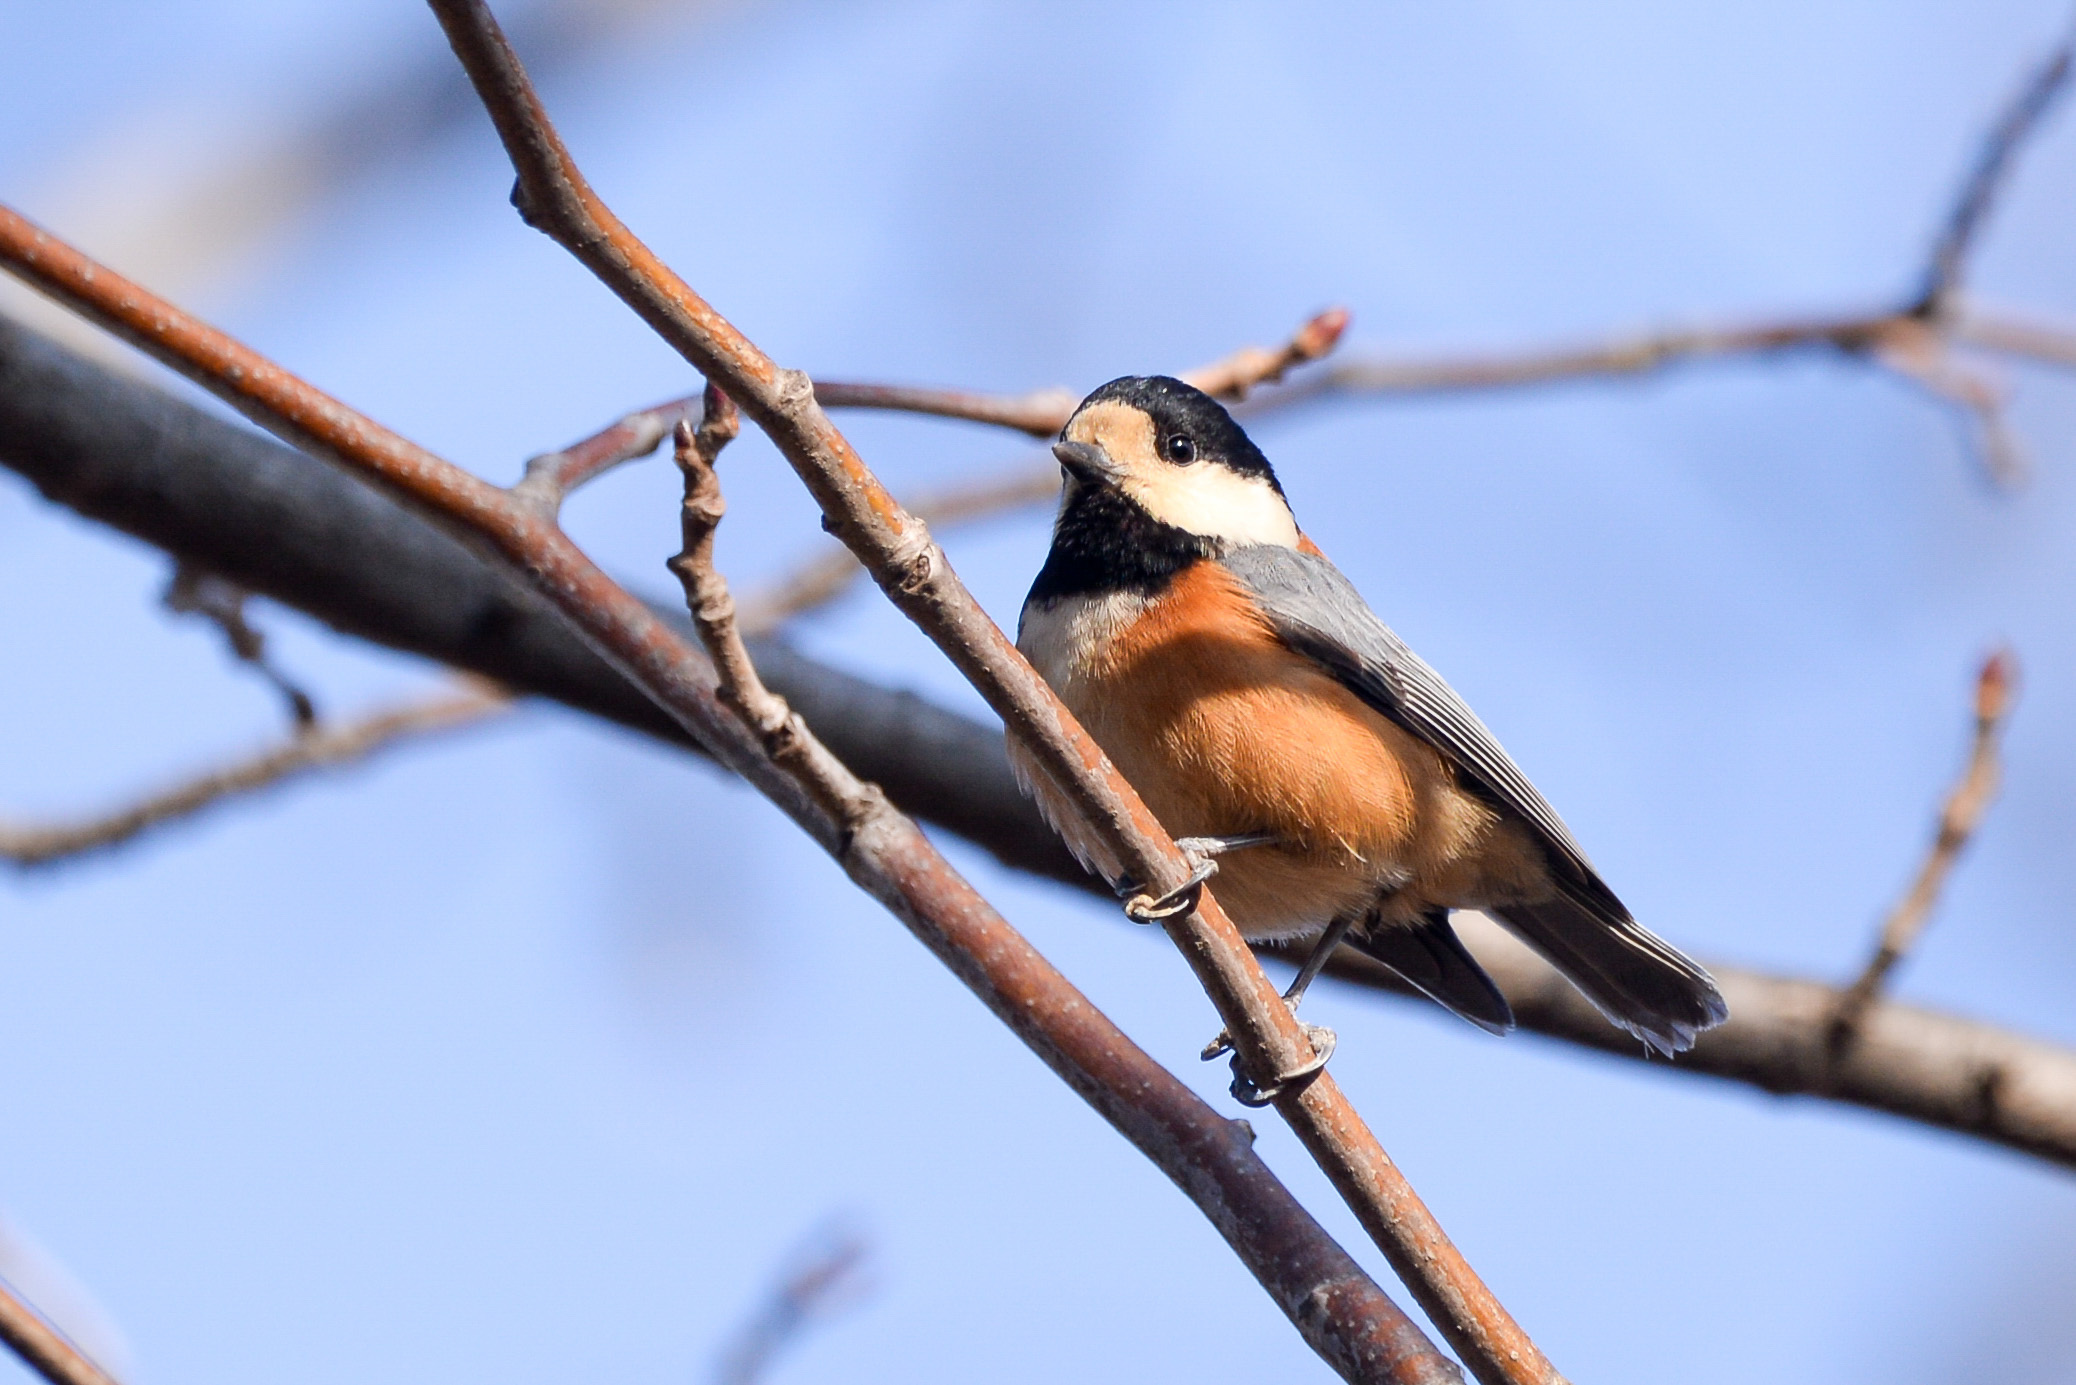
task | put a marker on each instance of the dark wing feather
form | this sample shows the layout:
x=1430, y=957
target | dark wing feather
x=1319, y=613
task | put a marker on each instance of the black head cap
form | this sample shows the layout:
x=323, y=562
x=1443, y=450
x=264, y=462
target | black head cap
x=1182, y=411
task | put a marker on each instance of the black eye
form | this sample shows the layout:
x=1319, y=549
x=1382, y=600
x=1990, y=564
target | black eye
x=1179, y=449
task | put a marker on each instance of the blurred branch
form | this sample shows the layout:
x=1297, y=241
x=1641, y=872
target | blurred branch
x=1336, y=1307
x=42, y=1347
x=194, y=591
x=896, y=548
x=1962, y=813
x=313, y=748
x=1043, y=413
x=1922, y=1065
x=301, y=532
x=1915, y=339
x=1993, y=161
x=827, y=1277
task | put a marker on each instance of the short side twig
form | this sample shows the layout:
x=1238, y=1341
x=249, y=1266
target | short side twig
x=42, y=1347
x=222, y=603
x=1961, y=814
x=322, y=747
x=553, y=196
x=1993, y=162
x=1042, y=413
x=826, y=1278
x=551, y=476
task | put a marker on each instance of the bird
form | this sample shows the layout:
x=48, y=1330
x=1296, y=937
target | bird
x=1288, y=740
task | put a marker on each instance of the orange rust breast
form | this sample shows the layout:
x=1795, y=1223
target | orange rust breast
x=1224, y=730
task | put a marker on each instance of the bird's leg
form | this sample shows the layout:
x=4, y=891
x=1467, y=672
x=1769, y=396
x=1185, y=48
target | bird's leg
x=1246, y=1090
x=1202, y=853
x=1315, y=961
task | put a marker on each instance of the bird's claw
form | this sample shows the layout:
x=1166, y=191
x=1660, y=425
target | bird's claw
x=1248, y=1092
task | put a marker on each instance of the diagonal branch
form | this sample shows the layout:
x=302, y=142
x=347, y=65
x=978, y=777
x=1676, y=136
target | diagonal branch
x=1340, y=1312
x=42, y=1347
x=897, y=549
x=1993, y=163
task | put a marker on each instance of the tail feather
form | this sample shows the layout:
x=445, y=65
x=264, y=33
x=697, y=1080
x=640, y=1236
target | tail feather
x=1430, y=958
x=1639, y=981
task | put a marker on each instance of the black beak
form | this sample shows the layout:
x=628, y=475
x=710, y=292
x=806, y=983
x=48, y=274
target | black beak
x=1086, y=461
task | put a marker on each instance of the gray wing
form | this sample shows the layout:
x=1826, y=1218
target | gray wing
x=1319, y=614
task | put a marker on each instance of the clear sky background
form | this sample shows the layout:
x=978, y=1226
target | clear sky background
x=530, y=1055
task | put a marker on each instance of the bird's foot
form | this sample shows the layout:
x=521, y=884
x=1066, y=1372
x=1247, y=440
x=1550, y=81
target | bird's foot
x=1202, y=854
x=1250, y=1092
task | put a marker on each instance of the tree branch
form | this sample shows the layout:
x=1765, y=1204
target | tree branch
x=1962, y=813
x=897, y=550
x=1340, y=1312
x=294, y=529
x=318, y=747
x=42, y=1347
x=1043, y=413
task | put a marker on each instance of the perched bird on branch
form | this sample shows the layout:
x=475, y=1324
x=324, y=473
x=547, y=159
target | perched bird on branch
x=1273, y=722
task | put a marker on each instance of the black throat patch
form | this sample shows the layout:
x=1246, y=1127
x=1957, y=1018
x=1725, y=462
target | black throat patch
x=1104, y=542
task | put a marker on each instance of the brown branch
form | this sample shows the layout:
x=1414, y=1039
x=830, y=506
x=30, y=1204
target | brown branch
x=124, y=453
x=1043, y=413
x=897, y=549
x=42, y=1347
x=319, y=747
x=1961, y=814
x=1340, y=1312
x=551, y=476
x=823, y=1280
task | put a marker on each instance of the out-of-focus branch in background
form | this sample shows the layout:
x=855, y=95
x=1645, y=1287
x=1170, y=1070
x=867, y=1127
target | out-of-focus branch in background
x=1961, y=814
x=301, y=532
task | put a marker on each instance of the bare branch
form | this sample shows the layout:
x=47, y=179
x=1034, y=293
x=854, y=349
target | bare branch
x=1962, y=813
x=195, y=591
x=42, y=1347
x=1932, y=1068
x=124, y=453
x=1993, y=163
x=1338, y=1309
x=896, y=548
x=1237, y=375
x=551, y=476
x=316, y=748
x=1043, y=413
x=826, y=1278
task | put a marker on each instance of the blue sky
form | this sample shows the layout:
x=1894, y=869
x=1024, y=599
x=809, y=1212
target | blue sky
x=533, y=1052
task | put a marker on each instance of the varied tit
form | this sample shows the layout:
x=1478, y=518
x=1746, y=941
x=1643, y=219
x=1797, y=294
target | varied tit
x=1261, y=709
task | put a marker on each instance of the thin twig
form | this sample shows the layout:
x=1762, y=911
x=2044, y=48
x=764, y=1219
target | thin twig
x=1042, y=413
x=551, y=476
x=309, y=535
x=42, y=1347
x=1961, y=814
x=1993, y=162
x=1338, y=1309
x=321, y=747
x=825, y=1279
x=194, y=591
x=553, y=196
